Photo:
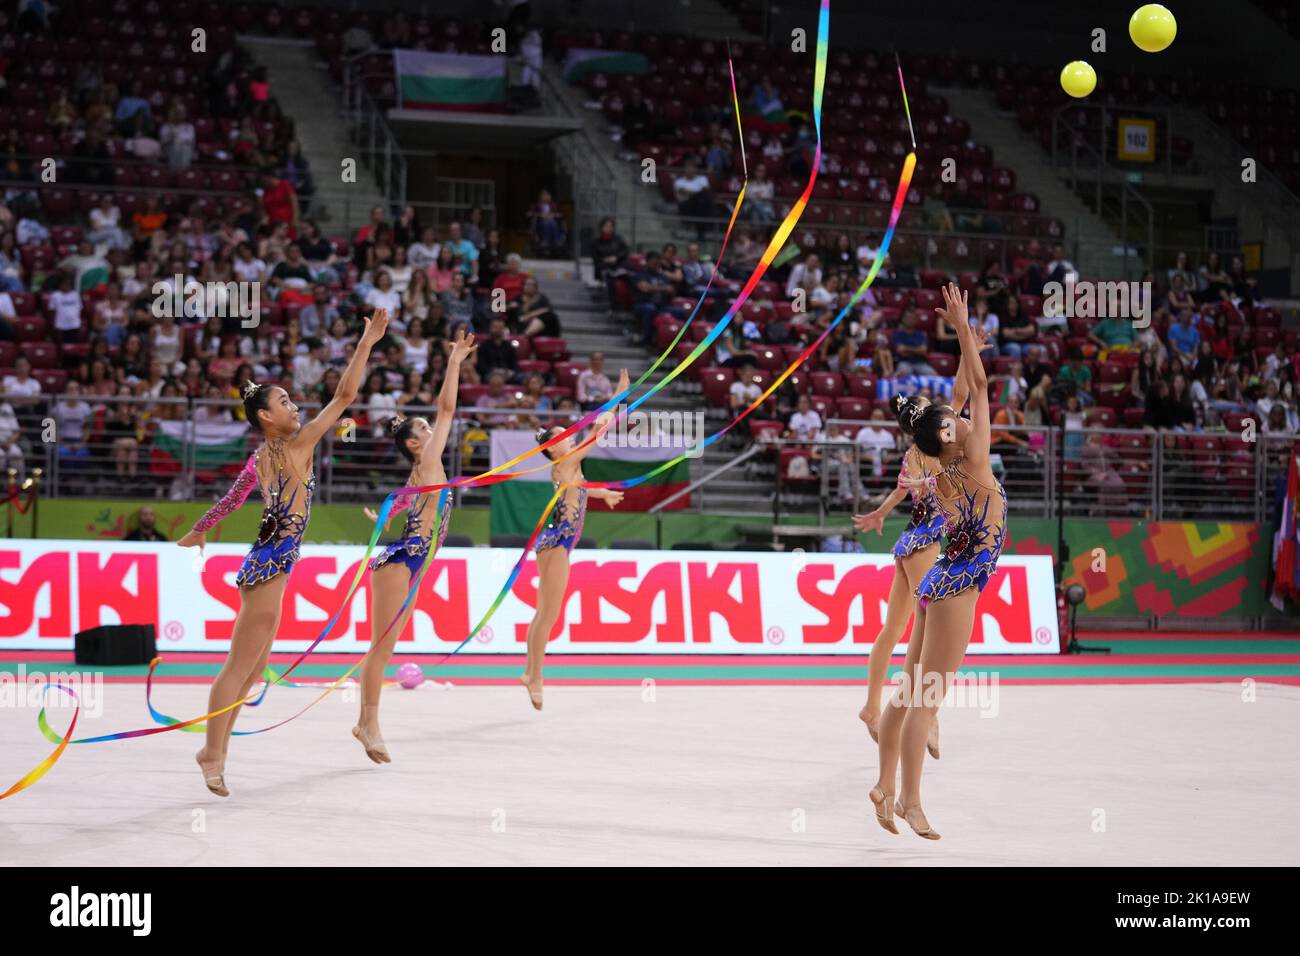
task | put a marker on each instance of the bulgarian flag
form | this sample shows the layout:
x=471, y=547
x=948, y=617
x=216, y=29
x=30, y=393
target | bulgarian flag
x=450, y=81
x=580, y=63
x=518, y=503
x=214, y=447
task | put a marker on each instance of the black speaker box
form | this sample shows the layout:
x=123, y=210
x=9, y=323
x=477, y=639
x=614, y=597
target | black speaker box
x=117, y=644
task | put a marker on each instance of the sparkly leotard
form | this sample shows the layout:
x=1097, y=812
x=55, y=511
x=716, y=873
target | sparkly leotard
x=925, y=527
x=977, y=532
x=564, y=530
x=417, y=538
x=279, y=539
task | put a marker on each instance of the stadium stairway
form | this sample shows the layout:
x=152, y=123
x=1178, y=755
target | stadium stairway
x=1013, y=148
x=303, y=88
x=588, y=325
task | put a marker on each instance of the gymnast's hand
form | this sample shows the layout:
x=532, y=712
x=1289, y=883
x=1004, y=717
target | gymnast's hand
x=954, y=311
x=612, y=497
x=370, y=513
x=872, y=522
x=194, y=538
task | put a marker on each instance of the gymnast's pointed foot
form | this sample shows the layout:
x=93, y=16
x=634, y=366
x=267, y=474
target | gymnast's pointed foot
x=883, y=802
x=932, y=744
x=367, y=733
x=534, y=687
x=870, y=718
x=213, y=773
x=916, y=820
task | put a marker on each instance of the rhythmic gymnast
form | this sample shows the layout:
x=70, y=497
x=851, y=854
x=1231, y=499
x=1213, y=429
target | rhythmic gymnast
x=558, y=538
x=281, y=467
x=975, y=511
x=914, y=552
x=393, y=571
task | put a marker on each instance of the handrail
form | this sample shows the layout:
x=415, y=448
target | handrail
x=362, y=109
x=700, y=482
x=1078, y=141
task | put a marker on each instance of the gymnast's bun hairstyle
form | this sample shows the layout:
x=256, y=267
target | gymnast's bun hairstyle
x=542, y=436
x=927, y=428
x=400, y=428
x=255, y=399
x=908, y=411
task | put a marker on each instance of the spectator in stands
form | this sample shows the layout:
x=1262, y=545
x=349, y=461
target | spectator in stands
x=65, y=303
x=382, y=296
x=497, y=353
x=1180, y=395
x=1072, y=420
x=106, y=224
x=279, y=201
x=458, y=304
x=767, y=101
x=1075, y=378
x=11, y=265
x=122, y=431
x=497, y=396
x=1111, y=335
x=475, y=227
x=309, y=369
x=246, y=266
x=424, y=253
x=1059, y=267
x=805, y=423
x=366, y=232
x=1006, y=440
x=911, y=346
x=7, y=315
x=1181, y=270
x=546, y=225
x=130, y=106
x=1037, y=413
x=1178, y=298
x=295, y=169
x=406, y=228
x=1272, y=400
x=742, y=393
x=1027, y=271
x=806, y=275
x=1016, y=330
x=1212, y=282
x=511, y=281
x=146, y=222
x=291, y=277
x=464, y=251
x=441, y=272
x=1184, y=338
x=1243, y=286
x=593, y=386
x=652, y=293
x=991, y=287
x=694, y=196
x=835, y=453
x=320, y=314
x=866, y=255
x=146, y=527
x=534, y=313
x=399, y=271
x=11, y=452
x=760, y=197
x=874, y=441
x=608, y=249
x=177, y=138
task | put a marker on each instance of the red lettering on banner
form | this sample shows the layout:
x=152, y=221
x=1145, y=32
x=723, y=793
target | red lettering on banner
x=868, y=583
x=596, y=580
x=305, y=582
x=1012, y=615
x=104, y=586
x=449, y=616
x=744, y=615
x=50, y=570
x=217, y=578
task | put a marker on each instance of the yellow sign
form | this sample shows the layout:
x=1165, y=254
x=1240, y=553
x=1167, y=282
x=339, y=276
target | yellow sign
x=1137, y=140
x=1253, y=254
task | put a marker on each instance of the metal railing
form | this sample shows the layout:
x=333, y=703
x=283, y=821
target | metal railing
x=378, y=146
x=1114, y=199
x=125, y=448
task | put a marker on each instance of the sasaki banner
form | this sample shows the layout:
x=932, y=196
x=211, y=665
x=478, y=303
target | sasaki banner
x=619, y=602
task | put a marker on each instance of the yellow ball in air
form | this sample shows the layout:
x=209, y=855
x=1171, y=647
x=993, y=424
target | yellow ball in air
x=1152, y=27
x=1078, y=79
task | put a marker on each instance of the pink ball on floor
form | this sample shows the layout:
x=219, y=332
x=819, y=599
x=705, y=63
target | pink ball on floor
x=410, y=675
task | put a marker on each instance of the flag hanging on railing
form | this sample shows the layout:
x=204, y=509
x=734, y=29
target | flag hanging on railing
x=580, y=63
x=450, y=81
x=218, y=447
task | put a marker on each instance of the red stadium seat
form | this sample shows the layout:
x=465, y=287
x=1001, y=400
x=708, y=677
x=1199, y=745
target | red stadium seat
x=716, y=384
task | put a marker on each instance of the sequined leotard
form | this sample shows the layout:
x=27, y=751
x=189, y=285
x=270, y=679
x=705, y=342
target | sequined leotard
x=564, y=530
x=976, y=530
x=417, y=537
x=925, y=527
x=276, y=549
